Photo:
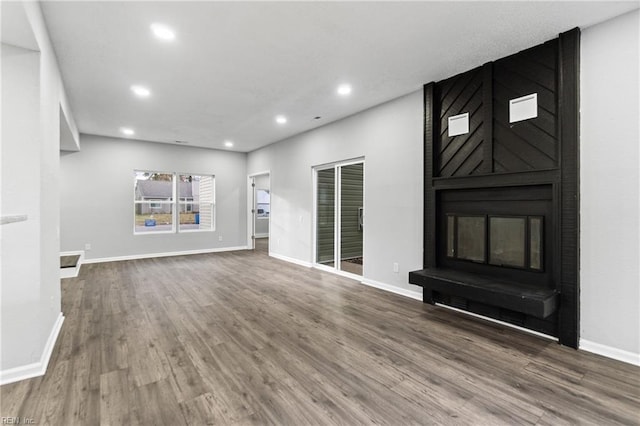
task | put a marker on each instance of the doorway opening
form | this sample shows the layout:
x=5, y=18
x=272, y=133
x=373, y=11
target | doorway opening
x=339, y=217
x=259, y=211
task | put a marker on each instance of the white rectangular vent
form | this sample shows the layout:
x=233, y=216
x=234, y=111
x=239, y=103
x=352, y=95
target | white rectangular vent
x=523, y=108
x=459, y=124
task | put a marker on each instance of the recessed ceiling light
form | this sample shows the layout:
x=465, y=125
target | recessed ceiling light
x=140, y=91
x=228, y=144
x=163, y=32
x=127, y=131
x=281, y=119
x=344, y=90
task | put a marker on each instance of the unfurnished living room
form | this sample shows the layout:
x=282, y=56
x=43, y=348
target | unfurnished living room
x=299, y=213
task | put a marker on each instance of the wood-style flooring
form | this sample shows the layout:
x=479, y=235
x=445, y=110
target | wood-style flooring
x=241, y=338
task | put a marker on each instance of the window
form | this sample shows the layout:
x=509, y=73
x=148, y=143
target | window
x=511, y=241
x=153, y=202
x=196, y=203
x=155, y=208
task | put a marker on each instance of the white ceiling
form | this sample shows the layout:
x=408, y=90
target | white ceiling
x=235, y=65
x=15, y=28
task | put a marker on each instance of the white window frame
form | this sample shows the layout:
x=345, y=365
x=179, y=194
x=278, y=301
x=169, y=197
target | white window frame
x=156, y=202
x=182, y=202
x=175, y=204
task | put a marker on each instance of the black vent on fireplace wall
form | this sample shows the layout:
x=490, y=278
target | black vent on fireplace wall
x=500, y=213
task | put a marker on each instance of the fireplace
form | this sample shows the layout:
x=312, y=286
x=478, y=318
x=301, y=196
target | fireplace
x=501, y=190
x=495, y=255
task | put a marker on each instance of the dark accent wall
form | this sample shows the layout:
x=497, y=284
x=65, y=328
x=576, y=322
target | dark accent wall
x=542, y=151
x=530, y=144
x=461, y=155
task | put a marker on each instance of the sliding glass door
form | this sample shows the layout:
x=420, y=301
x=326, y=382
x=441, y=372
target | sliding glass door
x=339, y=216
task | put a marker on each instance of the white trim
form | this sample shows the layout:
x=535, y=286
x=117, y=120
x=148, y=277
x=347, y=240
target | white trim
x=72, y=272
x=13, y=218
x=35, y=369
x=506, y=324
x=264, y=172
x=262, y=235
x=166, y=254
x=73, y=253
x=291, y=260
x=610, y=352
x=335, y=271
x=417, y=295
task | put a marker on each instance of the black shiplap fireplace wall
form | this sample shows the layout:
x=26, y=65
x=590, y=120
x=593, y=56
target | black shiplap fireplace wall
x=541, y=152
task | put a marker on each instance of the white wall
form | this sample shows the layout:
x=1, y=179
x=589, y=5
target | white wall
x=97, y=197
x=21, y=240
x=610, y=187
x=389, y=137
x=32, y=96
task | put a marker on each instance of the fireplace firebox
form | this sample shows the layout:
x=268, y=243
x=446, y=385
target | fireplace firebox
x=502, y=232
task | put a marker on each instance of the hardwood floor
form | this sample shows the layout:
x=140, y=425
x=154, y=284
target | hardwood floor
x=241, y=338
x=262, y=245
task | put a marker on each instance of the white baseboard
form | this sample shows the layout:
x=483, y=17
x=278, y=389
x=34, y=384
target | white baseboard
x=73, y=253
x=506, y=324
x=291, y=260
x=35, y=369
x=262, y=235
x=334, y=271
x=417, y=295
x=72, y=272
x=610, y=352
x=165, y=254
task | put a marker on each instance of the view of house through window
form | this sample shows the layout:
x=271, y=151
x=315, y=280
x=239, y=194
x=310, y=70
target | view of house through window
x=196, y=202
x=156, y=209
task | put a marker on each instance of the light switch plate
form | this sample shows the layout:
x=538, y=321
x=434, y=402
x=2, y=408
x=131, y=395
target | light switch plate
x=459, y=124
x=523, y=108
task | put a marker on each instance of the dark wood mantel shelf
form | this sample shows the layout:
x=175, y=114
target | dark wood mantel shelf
x=531, y=300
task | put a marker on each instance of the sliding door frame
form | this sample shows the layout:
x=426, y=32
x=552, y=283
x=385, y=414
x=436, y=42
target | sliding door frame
x=336, y=166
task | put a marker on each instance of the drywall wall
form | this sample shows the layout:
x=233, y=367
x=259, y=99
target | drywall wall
x=20, y=240
x=610, y=187
x=97, y=197
x=32, y=97
x=389, y=137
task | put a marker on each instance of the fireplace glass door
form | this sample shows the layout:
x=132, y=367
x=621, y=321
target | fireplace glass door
x=511, y=241
x=507, y=241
